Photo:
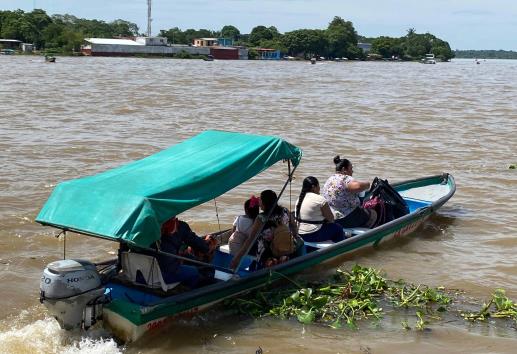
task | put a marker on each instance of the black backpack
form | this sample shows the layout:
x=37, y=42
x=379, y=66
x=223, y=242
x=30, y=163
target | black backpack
x=395, y=205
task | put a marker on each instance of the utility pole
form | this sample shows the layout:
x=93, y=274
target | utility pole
x=149, y=18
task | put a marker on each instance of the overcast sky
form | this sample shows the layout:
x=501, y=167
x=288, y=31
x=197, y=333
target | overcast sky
x=465, y=24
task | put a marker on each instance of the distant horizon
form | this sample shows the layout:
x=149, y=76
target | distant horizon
x=464, y=24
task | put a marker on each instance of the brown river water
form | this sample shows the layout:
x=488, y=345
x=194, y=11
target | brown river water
x=398, y=121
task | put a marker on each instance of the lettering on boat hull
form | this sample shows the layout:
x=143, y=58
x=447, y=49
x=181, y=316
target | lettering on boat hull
x=407, y=229
x=159, y=323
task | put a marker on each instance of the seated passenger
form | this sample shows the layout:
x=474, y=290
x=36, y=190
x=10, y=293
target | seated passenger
x=341, y=191
x=242, y=224
x=262, y=231
x=176, y=236
x=316, y=221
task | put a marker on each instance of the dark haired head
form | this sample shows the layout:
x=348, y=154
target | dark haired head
x=251, y=211
x=269, y=200
x=341, y=163
x=308, y=184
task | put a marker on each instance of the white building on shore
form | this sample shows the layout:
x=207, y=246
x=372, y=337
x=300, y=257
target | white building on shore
x=152, y=46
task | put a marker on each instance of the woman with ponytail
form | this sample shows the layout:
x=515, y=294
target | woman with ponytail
x=316, y=221
x=341, y=191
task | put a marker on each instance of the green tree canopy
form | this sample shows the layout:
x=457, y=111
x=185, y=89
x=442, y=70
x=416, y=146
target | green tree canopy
x=177, y=36
x=66, y=33
x=388, y=47
x=230, y=31
x=305, y=42
x=413, y=46
x=261, y=33
x=342, y=38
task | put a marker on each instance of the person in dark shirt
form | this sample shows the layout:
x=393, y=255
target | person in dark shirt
x=176, y=237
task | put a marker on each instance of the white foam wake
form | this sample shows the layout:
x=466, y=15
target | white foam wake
x=44, y=336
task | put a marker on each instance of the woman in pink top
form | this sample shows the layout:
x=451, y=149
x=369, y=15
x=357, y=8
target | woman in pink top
x=341, y=191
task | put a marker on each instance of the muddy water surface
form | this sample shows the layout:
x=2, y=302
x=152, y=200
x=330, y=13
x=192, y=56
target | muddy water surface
x=81, y=116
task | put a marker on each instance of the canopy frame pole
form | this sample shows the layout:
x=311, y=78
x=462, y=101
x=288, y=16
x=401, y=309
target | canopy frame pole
x=63, y=232
x=195, y=261
x=152, y=250
x=289, y=178
x=290, y=186
x=217, y=214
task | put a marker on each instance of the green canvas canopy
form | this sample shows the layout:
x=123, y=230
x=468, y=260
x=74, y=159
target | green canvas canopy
x=131, y=202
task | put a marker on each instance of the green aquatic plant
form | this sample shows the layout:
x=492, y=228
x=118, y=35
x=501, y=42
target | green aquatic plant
x=354, y=295
x=350, y=296
x=499, y=306
x=405, y=325
x=513, y=166
x=421, y=322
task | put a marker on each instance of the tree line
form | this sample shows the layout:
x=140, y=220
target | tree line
x=65, y=33
x=61, y=33
x=486, y=54
x=412, y=46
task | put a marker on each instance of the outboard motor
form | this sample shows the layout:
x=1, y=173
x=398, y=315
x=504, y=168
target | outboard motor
x=73, y=293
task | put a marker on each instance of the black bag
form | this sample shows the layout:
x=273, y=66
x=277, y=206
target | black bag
x=395, y=205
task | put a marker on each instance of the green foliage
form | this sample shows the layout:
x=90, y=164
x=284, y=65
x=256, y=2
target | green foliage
x=252, y=54
x=499, y=306
x=177, y=36
x=174, y=36
x=263, y=33
x=63, y=33
x=355, y=295
x=486, y=54
x=230, y=31
x=273, y=44
x=351, y=296
x=413, y=46
x=183, y=55
x=388, y=47
x=342, y=38
x=305, y=42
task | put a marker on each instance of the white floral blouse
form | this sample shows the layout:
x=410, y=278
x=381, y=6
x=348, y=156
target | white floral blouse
x=335, y=191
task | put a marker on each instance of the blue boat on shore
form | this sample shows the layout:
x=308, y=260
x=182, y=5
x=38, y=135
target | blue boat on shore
x=128, y=205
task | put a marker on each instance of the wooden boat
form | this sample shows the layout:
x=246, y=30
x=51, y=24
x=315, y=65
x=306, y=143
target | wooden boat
x=197, y=170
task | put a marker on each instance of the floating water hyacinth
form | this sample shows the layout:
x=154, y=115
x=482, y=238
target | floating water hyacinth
x=355, y=295
x=513, y=166
x=347, y=298
x=499, y=306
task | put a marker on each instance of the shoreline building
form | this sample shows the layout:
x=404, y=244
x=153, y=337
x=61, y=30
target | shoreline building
x=366, y=47
x=156, y=46
x=268, y=54
x=10, y=44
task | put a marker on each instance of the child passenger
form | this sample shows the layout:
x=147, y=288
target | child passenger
x=242, y=224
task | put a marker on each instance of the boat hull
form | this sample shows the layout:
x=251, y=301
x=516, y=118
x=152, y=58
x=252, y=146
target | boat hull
x=129, y=321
